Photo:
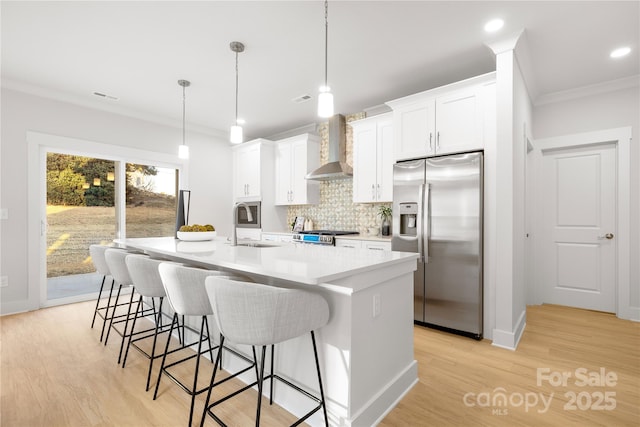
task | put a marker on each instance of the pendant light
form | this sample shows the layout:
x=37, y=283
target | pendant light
x=236, y=130
x=183, y=149
x=325, y=98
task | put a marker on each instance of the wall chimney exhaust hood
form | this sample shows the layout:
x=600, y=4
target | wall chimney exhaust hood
x=336, y=167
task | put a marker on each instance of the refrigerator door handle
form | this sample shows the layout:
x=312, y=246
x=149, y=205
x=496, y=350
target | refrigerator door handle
x=427, y=221
x=420, y=225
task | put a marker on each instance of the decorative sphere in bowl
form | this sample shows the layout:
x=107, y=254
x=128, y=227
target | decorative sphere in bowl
x=196, y=232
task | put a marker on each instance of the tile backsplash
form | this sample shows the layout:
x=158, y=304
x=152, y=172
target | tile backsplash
x=336, y=210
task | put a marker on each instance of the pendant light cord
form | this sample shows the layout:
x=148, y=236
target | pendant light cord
x=326, y=41
x=236, y=87
x=183, y=114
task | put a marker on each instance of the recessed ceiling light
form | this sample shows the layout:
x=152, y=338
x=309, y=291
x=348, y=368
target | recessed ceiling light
x=620, y=52
x=493, y=25
x=241, y=121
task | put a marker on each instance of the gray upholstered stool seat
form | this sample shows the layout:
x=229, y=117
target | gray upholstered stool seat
x=261, y=315
x=148, y=284
x=115, y=259
x=187, y=296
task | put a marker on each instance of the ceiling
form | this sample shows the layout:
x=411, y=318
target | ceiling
x=378, y=51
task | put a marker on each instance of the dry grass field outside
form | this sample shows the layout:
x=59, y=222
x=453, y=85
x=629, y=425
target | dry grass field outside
x=71, y=230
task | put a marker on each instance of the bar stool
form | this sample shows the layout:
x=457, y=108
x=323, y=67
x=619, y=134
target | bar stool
x=148, y=284
x=185, y=291
x=116, y=261
x=98, y=258
x=261, y=315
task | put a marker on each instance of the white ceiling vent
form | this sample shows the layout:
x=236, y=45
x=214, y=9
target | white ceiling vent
x=302, y=98
x=104, y=95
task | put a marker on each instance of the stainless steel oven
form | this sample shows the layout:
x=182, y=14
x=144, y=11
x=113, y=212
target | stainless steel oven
x=241, y=216
x=320, y=237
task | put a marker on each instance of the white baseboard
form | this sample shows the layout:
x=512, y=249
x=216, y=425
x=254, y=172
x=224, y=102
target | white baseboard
x=14, y=307
x=381, y=404
x=632, y=313
x=509, y=339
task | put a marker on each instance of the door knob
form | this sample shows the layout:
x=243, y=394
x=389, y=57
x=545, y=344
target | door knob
x=607, y=236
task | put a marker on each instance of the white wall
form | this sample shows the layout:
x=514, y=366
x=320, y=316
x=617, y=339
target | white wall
x=209, y=171
x=613, y=109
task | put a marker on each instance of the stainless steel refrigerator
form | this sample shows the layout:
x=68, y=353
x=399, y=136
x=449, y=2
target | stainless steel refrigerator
x=437, y=212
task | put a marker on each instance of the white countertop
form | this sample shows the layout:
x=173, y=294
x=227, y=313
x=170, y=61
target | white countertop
x=309, y=264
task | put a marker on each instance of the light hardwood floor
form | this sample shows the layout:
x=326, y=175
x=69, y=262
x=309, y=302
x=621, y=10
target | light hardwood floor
x=54, y=372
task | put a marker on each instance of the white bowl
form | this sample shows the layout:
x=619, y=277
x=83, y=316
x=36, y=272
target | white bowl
x=195, y=236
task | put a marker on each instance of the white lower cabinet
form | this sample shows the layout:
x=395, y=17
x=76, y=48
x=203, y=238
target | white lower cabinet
x=348, y=243
x=372, y=245
x=376, y=246
x=277, y=237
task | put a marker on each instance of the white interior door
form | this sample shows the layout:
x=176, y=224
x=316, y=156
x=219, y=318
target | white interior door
x=578, y=227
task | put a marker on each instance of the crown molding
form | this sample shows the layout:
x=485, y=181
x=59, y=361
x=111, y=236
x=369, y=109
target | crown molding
x=309, y=128
x=107, y=106
x=505, y=44
x=590, y=90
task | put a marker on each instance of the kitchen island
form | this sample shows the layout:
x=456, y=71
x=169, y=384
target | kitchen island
x=366, y=349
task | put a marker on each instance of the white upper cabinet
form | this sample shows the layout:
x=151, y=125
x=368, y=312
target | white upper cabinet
x=295, y=158
x=250, y=166
x=445, y=120
x=415, y=126
x=373, y=159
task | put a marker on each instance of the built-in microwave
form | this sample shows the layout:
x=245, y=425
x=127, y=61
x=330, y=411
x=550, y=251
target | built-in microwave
x=241, y=216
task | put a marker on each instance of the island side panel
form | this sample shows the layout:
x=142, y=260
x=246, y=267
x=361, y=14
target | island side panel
x=383, y=366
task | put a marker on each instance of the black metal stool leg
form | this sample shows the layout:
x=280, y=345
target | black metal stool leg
x=155, y=340
x=213, y=380
x=113, y=314
x=315, y=354
x=133, y=327
x=195, y=378
x=271, y=377
x=106, y=311
x=164, y=357
x=95, y=312
x=126, y=324
x=260, y=380
x=184, y=336
x=206, y=323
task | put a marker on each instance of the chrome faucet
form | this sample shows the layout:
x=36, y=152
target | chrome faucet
x=234, y=234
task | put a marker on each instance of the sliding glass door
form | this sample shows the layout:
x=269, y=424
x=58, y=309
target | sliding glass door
x=82, y=208
x=151, y=200
x=80, y=212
